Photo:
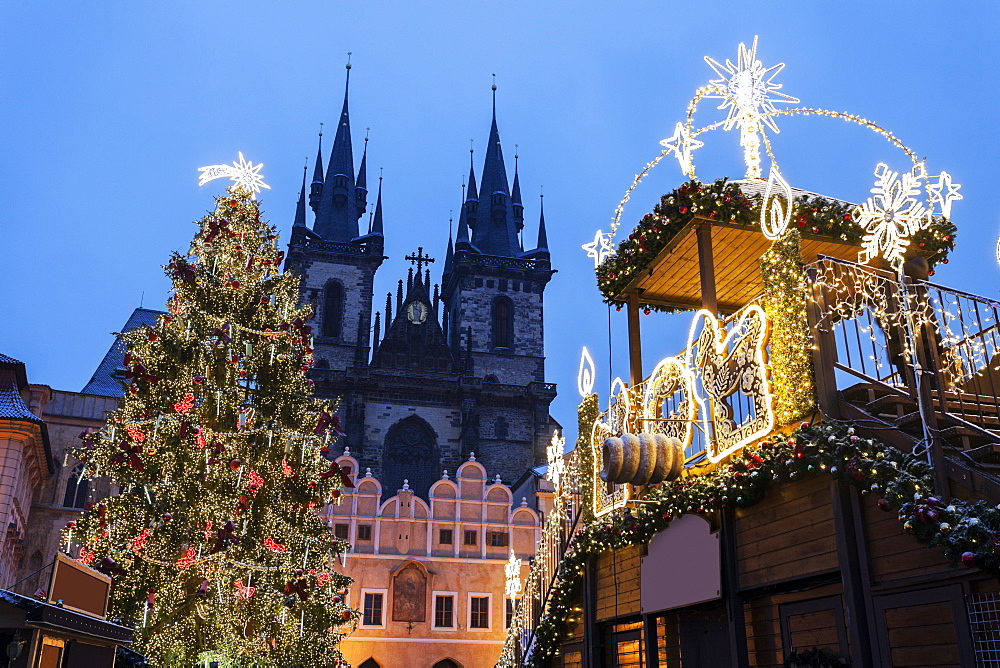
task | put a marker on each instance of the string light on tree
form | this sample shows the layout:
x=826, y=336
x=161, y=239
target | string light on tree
x=216, y=403
x=244, y=174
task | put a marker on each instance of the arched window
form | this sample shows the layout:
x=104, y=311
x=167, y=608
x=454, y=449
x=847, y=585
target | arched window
x=500, y=428
x=370, y=663
x=410, y=453
x=503, y=323
x=333, y=308
x=77, y=488
x=445, y=663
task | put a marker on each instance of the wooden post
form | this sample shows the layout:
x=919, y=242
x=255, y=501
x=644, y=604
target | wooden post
x=592, y=642
x=634, y=341
x=706, y=267
x=649, y=633
x=738, y=654
x=852, y=555
x=824, y=349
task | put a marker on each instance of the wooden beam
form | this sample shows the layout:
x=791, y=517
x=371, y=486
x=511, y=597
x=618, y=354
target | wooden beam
x=852, y=554
x=731, y=590
x=634, y=340
x=706, y=267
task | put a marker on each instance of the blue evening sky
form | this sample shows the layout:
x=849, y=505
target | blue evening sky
x=108, y=108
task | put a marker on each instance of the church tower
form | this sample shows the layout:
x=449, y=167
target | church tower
x=459, y=371
x=492, y=288
x=338, y=262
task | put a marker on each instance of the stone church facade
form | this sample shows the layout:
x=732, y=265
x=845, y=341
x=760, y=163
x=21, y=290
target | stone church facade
x=451, y=364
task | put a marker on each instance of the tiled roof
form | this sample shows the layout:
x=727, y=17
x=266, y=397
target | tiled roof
x=12, y=379
x=104, y=382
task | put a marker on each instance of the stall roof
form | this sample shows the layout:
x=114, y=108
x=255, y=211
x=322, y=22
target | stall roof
x=47, y=616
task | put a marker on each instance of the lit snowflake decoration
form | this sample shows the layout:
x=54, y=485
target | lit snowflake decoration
x=748, y=91
x=600, y=248
x=513, y=573
x=557, y=465
x=682, y=143
x=244, y=173
x=891, y=216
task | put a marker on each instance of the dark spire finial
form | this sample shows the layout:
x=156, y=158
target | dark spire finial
x=348, y=60
x=494, y=87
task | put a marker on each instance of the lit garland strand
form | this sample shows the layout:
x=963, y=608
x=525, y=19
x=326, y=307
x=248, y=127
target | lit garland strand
x=790, y=358
x=967, y=533
x=199, y=439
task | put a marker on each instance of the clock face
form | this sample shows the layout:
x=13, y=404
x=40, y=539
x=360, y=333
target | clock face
x=416, y=312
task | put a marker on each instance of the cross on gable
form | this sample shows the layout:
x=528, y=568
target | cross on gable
x=419, y=258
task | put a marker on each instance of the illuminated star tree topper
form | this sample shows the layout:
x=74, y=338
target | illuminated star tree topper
x=747, y=89
x=244, y=174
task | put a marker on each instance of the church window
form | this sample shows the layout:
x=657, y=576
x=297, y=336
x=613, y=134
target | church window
x=411, y=453
x=364, y=532
x=497, y=538
x=340, y=531
x=445, y=536
x=77, y=488
x=502, y=285
x=500, y=428
x=471, y=537
x=479, y=282
x=489, y=282
x=503, y=323
x=517, y=286
x=333, y=309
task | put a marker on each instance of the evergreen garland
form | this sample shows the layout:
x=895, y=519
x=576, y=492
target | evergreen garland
x=968, y=533
x=724, y=202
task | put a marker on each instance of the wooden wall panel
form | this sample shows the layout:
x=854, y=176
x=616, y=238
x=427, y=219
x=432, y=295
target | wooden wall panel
x=922, y=635
x=668, y=641
x=764, y=641
x=790, y=533
x=894, y=553
x=618, y=583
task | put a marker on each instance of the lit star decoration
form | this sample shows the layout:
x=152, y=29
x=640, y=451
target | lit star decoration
x=891, y=216
x=513, y=572
x=600, y=248
x=748, y=91
x=244, y=174
x=681, y=143
x=943, y=192
x=557, y=465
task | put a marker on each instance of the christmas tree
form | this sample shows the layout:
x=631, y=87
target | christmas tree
x=214, y=544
